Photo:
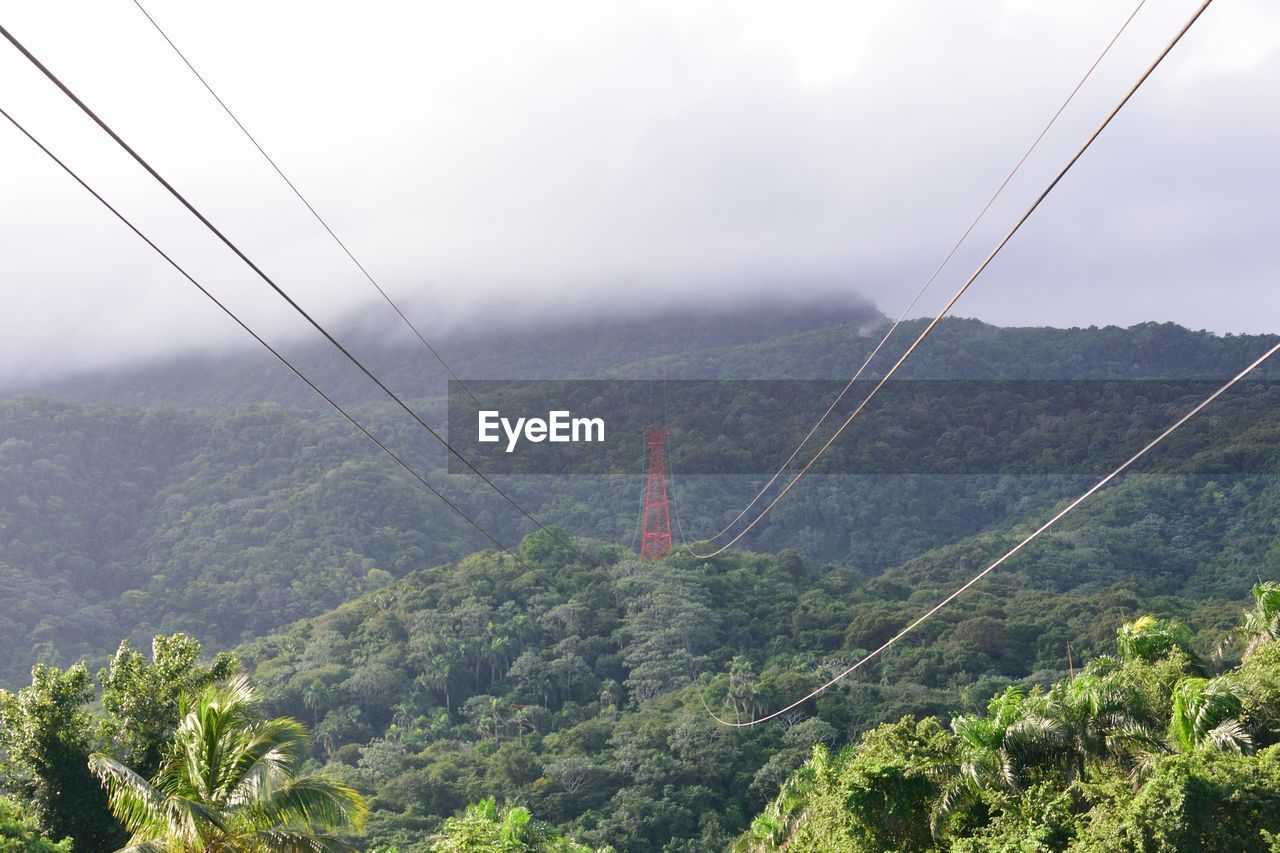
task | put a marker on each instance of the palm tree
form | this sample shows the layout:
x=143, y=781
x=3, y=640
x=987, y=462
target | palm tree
x=483, y=826
x=230, y=782
x=772, y=829
x=315, y=697
x=766, y=833
x=744, y=693
x=1206, y=715
x=1262, y=623
x=1102, y=714
x=1000, y=750
x=1150, y=639
x=437, y=671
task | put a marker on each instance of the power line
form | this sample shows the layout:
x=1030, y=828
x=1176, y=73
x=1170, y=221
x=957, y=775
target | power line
x=964, y=287
x=1077, y=501
x=936, y=272
x=302, y=198
x=1016, y=548
x=279, y=356
x=280, y=291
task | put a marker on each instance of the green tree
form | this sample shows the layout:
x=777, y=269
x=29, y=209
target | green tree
x=670, y=624
x=20, y=834
x=1207, y=801
x=1259, y=677
x=46, y=735
x=484, y=828
x=230, y=781
x=1262, y=622
x=775, y=825
x=1102, y=713
x=1206, y=714
x=870, y=797
x=572, y=772
x=1150, y=639
x=551, y=546
x=142, y=697
x=999, y=750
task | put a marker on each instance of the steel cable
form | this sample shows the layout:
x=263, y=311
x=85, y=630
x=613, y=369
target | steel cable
x=968, y=282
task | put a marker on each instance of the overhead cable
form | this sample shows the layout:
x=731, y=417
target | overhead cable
x=279, y=171
x=278, y=355
x=1012, y=551
x=934, y=275
x=968, y=282
x=269, y=281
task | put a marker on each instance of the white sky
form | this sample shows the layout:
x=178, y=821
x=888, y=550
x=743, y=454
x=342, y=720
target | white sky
x=504, y=158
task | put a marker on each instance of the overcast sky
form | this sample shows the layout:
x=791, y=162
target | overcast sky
x=503, y=158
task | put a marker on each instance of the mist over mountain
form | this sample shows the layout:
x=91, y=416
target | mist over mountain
x=536, y=347
x=796, y=339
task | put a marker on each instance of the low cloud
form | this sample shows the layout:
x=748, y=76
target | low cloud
x=579, y=157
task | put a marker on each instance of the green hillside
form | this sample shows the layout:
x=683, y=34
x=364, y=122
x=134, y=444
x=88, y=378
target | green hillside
x=1149, y=748
x=228, y=522
x=584, y=701
x=433, y=675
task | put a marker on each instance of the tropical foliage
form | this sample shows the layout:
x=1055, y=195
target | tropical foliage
x=1157, y=750
x=483, y=826
x=230, y=781
x=19, y=833
x=46, y=736
x=1080, y=765
x=474, y=700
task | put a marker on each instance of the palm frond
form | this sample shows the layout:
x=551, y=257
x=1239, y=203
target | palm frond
x=132, y=800
x=513, y=824
x=1228, y=736
x=960, y=793
x=766, y=832
x=229, y=783
x=1262, y=623
x=1134, y=737
x=1101, y=665
x=297, y=841
x=314, y=800
x=260, y=752
x=1032, y=737
x=1143, y=766
x=148, y=812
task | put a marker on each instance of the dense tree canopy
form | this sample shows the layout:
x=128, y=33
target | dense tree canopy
x=1136, y=753
x=1101, y=691
x=250, y=509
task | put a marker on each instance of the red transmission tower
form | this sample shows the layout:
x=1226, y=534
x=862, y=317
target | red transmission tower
x=656, y=542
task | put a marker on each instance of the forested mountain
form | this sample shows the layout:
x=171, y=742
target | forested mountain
x=212, y=497
x=230, y=520
x=584, y=701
